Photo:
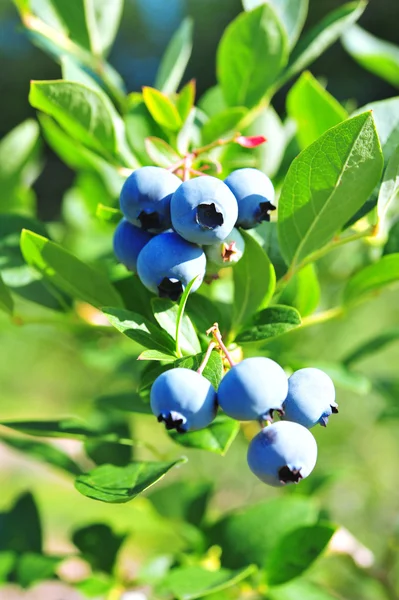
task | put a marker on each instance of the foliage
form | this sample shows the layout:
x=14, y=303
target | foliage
x=337, y=180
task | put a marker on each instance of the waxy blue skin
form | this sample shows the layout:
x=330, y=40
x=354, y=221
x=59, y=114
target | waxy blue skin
x=282, y=453
x=253, y=388
x=310, y=399
x=183, y=400
x=203, y=210
x=128, y=243
x=253, y=191
x=169, y=257
x=145, y=198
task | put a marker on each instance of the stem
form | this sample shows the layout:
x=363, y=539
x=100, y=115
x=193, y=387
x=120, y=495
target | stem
x=208, y=353
x=217, y=336
x=322, y=317
x=335, y=243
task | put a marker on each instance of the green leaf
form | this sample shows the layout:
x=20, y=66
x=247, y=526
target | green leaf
x=292, y=14
x=20, y=527
x=191, y=582
x=222, y=124
x=388, y=197
x=251, y=54
x=377, y=56
x=302, y=291
x=6, y=301
x=32, y=567
x=108, y=214
x=67, y=427
x=282, y=515
x=157, y=356
x=162, y=110
x=298, y=590
x=139, y=126
x=80, y=110
x=160, y=152
x=266, y=235
x=176, y=57
x=217, y=437
x=270, y=323
x=7, y=562
x=213, y=370
x=183, y=500
x=313, y=109
x=16, y=149
x=77, y=157
x=371, y=279
x=320, y=37
x=253, y=287
x=125, y=402
x=140, y=330
x=168, y=316
x=67, y=272
x=43, y=452
x=387, y=124
x=372, y=346
x=185, y=99
x=117, y=485
x=296, y=551
x=326, y=184
x=99, y=546
x=102, y=18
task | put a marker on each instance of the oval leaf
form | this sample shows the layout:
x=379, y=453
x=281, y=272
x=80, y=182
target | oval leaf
x=296, y=551
x=326, y=184
x=388, y=197
x=117, y=485
x=217, y=437
x=377, y=56
x=6, y=301
x=254, y=281
x=251, y=54
x=67, y=272
x=162, y=110
x=270, y=323
x=313, y=109
x=160, y=152
x=176, y=57
x=222, y=124
x=372, y=278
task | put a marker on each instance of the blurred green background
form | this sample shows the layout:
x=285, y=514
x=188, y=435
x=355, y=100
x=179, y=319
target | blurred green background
x=50, y=370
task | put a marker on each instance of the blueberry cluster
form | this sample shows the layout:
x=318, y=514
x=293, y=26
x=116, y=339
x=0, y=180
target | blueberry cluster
x=282, y=452
x=173, y=232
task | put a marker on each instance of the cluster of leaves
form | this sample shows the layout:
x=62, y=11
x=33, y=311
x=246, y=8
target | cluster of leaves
x=212, y=560
x=327, y=166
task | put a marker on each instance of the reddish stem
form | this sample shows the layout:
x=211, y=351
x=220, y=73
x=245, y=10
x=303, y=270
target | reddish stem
x=217, y=336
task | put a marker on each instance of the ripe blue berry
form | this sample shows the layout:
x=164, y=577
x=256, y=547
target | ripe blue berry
x=203, y=210
x=226, y=253
x=282, y=453
x=145, y=198
x=311, y=398
x=183, y=399
x=128, y=243
x=167, y=264
x=254, y=193
x=253, y=389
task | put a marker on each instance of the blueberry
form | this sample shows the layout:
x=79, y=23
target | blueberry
x=282, y=453
x=183, y=399
x=253, y=389
x=254, y=193
x=168, y=263
x=203, y=210
x=145, y=198
x=128, y=243
x=311, y=398
x=226, y=253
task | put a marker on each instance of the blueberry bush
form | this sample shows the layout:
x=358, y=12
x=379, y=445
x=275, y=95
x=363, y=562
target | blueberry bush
x=217, y=279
